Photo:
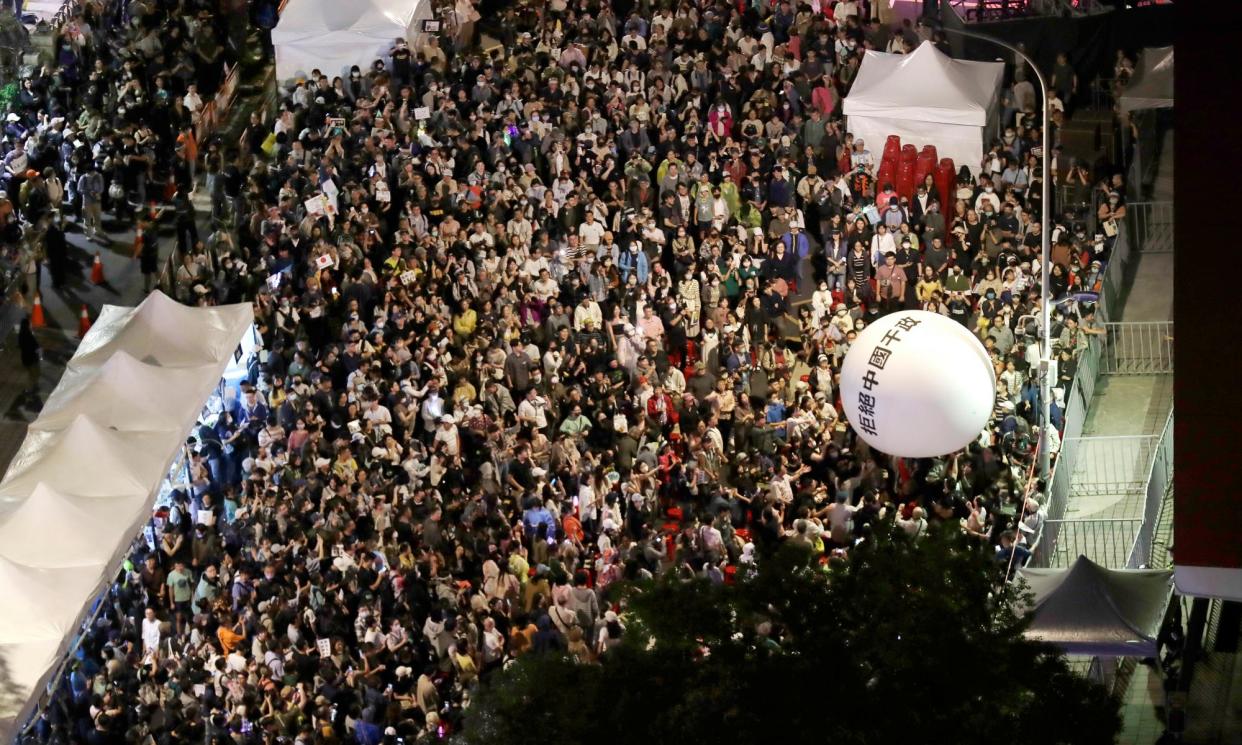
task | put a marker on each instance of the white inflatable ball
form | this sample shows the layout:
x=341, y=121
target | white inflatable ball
x=917, y=385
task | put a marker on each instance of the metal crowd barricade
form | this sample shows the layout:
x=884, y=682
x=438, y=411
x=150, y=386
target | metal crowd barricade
x=1111, y=466
x=1151, y=226
x=1115, y=273
x=1058, y=487
x=1106, y=541
x=1138, y=348
x=1159, y=479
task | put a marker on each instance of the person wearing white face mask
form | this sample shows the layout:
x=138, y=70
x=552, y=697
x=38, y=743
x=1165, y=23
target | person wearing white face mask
x=988, y=194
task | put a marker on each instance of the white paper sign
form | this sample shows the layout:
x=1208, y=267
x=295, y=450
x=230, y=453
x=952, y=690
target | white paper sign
x=422, y=113
x=330, y=191
x=316, y=205
x=325, y=647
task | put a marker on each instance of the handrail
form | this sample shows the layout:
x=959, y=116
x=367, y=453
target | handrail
x=215, y=110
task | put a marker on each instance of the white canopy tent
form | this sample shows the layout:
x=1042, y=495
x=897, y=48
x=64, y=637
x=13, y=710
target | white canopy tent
x=25, y=535
x=161, y=332
x=1152, y=84
x=85, y=479
x=86, y=459
x=925, y=98
x=124, y=393
x=1087, y=609
x=332, y=36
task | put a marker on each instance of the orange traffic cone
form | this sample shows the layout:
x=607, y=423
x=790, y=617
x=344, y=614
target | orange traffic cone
x=84, y=323
x=97, y=270
x=37, y=321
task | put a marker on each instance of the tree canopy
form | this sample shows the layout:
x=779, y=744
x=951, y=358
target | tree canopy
x=901, y=639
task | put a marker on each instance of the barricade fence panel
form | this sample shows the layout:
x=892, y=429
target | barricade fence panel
x=1159, y=478
x=1102, y=466
x=1106, y=541
x=1138, y=348
x=1151, y=226
x=1111, y=465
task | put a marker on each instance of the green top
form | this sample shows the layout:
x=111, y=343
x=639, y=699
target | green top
x=179, y=581
x=575, y=425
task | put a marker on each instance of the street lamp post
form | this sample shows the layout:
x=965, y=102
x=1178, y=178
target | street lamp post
x=1045, y=301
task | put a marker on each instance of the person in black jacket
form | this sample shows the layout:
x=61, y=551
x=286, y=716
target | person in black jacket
x=147, y=251
x=57, y=250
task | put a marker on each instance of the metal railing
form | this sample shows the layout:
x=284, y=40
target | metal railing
x=1073, y=197
x=167, y=281
x=1103, y=93
x=1059, y=483
x=1111, y=467
x=216, y=110
x=1151, y=226
x=1078, y=453
x=66, y=11
x=1138, y=348
x=1077, y=399
x=1106, y=541
x=1159, y=479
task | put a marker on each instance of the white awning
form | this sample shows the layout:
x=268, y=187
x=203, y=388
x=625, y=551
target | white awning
x=84, y=481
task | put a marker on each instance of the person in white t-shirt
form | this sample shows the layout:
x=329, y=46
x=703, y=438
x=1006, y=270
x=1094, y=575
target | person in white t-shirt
x=840, y=518
x=192, y=101
x=448, y=436
x=533, y=410
x=150, y=632
x=591, y=232
x=377, y=413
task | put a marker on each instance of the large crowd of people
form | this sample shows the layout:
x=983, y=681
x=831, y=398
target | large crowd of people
x=534, y=322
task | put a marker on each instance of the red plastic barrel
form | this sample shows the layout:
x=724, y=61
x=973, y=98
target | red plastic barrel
x=892, y=146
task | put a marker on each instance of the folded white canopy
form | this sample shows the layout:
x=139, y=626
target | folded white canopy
x=85, y=479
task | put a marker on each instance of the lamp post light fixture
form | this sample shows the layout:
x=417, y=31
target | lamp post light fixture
x=1045, y=301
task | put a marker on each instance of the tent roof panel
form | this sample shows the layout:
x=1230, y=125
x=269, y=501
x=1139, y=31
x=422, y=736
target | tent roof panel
x=120, y=464
x=1088, y=609
x=925, y=85
x=25, y=537
x=165, y=332
x=124, y=393
x=1152, y=84
x=93, y=481
x=42, y=604
x=392, y=17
